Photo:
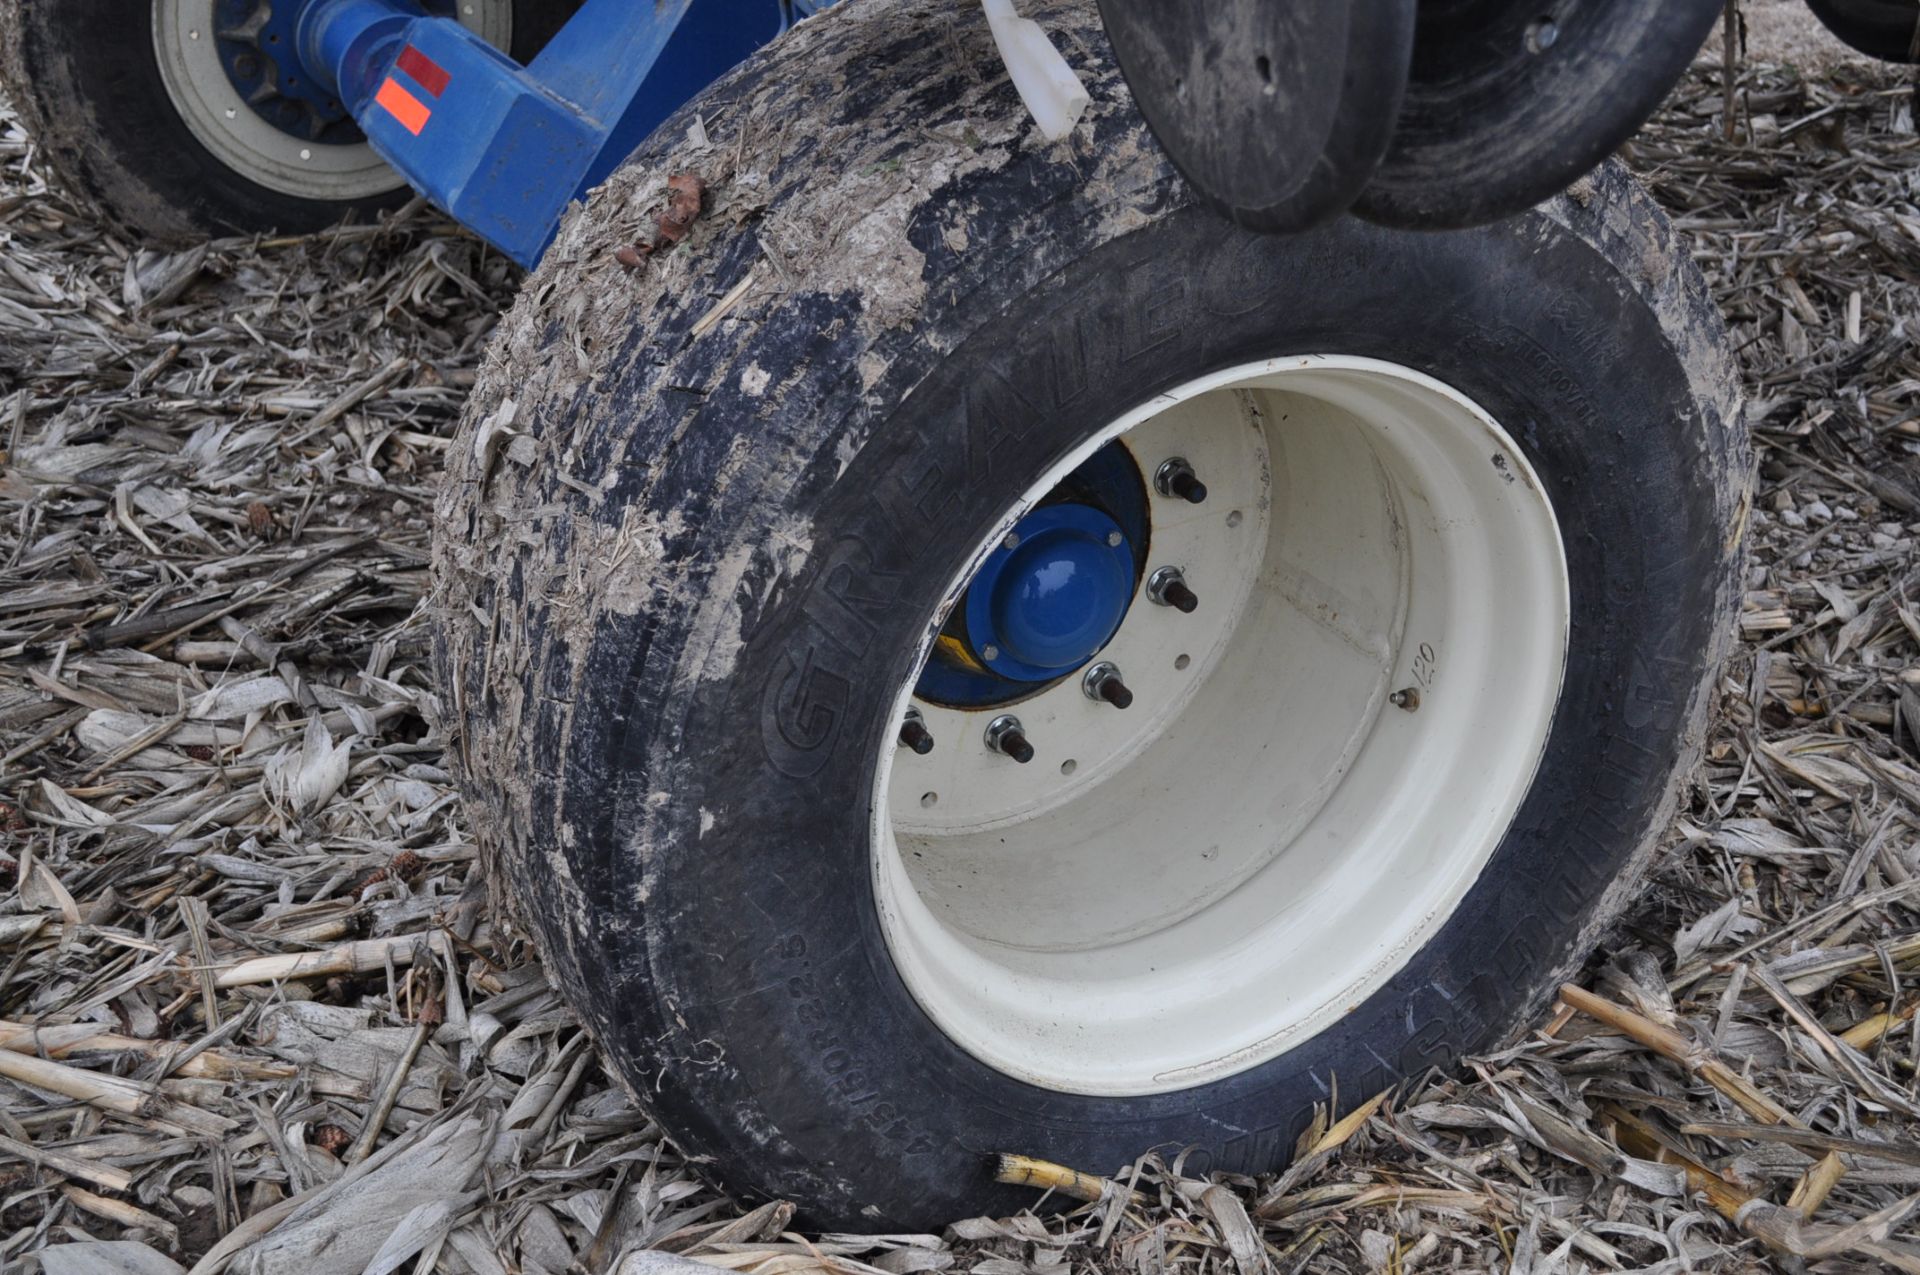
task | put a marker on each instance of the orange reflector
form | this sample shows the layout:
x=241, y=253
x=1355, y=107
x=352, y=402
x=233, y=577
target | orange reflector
x=403, y=106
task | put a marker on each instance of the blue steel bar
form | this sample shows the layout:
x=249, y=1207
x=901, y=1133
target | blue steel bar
x=502, y=147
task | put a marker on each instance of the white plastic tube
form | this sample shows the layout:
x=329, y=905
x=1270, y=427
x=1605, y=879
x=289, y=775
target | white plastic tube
x=1053, y=94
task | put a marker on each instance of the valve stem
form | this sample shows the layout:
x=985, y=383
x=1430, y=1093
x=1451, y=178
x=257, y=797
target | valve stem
x=1176, y=478
x=914, y=733
x=1168, y=587
x=1005, y=736
x=1103, y=682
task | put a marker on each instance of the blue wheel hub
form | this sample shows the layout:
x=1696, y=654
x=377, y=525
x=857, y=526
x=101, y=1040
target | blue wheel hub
x=1050, y=595
x=258, y=44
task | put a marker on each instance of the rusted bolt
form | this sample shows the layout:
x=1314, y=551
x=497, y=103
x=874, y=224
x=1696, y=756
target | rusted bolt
x=1176, y=478
x=914, y=733
x=1408, y=699
x=1103, y=682
x=1005, y=736
x=1168, y=587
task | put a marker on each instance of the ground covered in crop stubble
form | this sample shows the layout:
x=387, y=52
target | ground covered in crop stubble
x=254, y=1012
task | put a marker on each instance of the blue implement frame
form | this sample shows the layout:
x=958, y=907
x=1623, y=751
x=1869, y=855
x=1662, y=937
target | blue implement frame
x=504, y=147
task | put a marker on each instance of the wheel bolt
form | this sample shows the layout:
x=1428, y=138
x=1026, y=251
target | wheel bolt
x=914, y=733
x=1103, y=682
x=1168, y=587
x=1005, y=736
x=1176, y=478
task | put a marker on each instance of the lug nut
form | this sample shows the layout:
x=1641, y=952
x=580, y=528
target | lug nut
x=914, y=733
x=1103, y=682
x=1004, y=736
x=1176, y=478
x=1168, y=587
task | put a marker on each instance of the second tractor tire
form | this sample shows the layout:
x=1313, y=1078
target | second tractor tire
x=86, y=77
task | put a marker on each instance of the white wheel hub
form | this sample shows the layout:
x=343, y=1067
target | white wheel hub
x=185, y=41
x=1162, y=654
x=1315, y=767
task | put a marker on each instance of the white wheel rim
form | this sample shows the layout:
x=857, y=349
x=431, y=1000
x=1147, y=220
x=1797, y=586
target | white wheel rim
x=197, y=84
x=1262, y=839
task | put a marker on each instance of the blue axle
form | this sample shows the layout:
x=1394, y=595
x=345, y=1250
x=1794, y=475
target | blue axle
x=503, y=147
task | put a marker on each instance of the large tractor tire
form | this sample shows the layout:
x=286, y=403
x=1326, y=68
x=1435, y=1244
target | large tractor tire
x=971, y=652
x=180, y=119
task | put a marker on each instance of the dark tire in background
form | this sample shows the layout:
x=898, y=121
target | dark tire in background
x=1276, y=114
x=704, y=519
x=89, y=82
x=1510, y=101
x=1884, y=29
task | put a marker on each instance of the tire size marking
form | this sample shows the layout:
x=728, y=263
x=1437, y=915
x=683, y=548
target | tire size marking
x=846, y=1076
x=1425, y=665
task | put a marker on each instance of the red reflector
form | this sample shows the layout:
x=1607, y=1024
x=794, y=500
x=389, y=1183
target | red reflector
x=424, y=71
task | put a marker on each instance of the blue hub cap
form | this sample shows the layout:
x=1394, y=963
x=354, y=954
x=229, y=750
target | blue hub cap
x=1052, y=594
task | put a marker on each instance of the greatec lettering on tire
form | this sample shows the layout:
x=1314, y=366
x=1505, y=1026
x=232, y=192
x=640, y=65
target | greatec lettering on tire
x=800, y=714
